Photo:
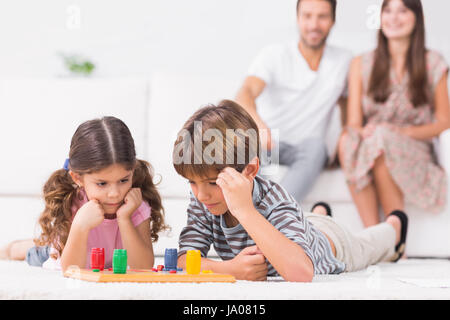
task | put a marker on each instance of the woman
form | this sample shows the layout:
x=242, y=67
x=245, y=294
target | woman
x=398, y=101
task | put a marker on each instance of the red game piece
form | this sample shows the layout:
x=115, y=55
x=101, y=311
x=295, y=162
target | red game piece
x=97, y=258
x=160, y=267
x=173, y=271
x=154, y=269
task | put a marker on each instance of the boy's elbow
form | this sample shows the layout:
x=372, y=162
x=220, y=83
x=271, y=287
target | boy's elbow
x=299, y=277
x=299, y=274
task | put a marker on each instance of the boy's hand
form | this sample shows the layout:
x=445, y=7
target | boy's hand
x=250, y=264
x=237, y=191
x=132, y=201
x=89, y=216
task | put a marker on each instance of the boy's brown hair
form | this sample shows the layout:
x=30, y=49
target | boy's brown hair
x=215, y=137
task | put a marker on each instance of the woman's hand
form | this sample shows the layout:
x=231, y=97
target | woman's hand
x=406, y=131
x=237, y=191
x=132, y=201
x=89, y=216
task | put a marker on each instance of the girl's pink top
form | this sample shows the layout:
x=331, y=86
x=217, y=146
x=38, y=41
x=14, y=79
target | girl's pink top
x=107, y=234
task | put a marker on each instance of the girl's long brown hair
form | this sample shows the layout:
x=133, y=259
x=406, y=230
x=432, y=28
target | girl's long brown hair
x=379, y=86
x=95, y=145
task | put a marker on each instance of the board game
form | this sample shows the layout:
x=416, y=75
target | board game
x=146, y=276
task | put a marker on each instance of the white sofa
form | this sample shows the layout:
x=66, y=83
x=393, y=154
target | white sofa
x=39, y=116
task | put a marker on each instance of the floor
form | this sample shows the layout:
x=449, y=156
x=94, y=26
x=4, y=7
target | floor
x=408, y=279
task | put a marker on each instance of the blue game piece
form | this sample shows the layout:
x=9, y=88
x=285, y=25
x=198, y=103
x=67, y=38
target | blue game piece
x=170, y=259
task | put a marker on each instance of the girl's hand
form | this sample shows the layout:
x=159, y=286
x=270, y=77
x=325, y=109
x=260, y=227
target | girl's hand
x=249, y=264
x=132, y=201
x=237, y=191
x=89, y=216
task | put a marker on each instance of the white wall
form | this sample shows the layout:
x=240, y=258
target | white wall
x=135, y=39
x=139, y=37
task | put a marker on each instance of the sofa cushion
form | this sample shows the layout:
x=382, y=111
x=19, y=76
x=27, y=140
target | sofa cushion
x=329, y=186
x=41, y=115
x=173, y=99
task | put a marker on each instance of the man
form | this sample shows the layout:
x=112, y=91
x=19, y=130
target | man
x=298, y=84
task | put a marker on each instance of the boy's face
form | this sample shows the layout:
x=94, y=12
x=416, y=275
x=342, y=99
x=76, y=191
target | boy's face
x=209, y=193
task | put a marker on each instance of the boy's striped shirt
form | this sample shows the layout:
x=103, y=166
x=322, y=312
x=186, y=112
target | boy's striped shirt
x=279, y=208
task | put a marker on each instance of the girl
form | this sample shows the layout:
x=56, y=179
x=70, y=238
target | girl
x=398, y=101
x=103, y=197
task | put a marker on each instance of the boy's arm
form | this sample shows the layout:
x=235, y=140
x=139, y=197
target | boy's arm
x=249, y=264
x=286, y=256
x=208, y=264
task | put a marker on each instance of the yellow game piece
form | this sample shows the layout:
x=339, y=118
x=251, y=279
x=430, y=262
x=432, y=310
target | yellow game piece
x=193, y=261
x=207, y=271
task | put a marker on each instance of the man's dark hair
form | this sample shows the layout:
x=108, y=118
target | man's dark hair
x=333, y=7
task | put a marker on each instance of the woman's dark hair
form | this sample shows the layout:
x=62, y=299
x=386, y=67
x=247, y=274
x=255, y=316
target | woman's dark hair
x=379, y=86
x=95, y=145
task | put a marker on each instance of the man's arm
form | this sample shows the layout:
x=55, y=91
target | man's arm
x=246, y=97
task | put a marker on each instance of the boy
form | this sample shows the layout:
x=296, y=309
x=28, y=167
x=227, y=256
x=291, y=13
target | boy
x=256, y=227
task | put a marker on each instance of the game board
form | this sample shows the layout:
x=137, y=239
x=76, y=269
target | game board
x=146, y=276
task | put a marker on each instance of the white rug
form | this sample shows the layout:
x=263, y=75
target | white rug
x=408, y=279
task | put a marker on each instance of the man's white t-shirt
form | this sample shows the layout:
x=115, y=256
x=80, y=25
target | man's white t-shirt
x=297, y=100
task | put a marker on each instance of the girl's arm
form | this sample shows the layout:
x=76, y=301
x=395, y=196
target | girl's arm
x=442, y=115
x=74, y=252
x=137, y=241
x=287, y=257
x=355, y=92
x=90, y=215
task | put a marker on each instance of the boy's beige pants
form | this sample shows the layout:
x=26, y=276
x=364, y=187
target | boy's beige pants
x=359, y=250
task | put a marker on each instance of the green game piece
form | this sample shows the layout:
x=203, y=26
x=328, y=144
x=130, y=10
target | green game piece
x=95, y=270
x=119, y=261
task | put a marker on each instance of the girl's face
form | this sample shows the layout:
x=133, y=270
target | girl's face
x=109, y=186
x=209, y=193
x=397, y=20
